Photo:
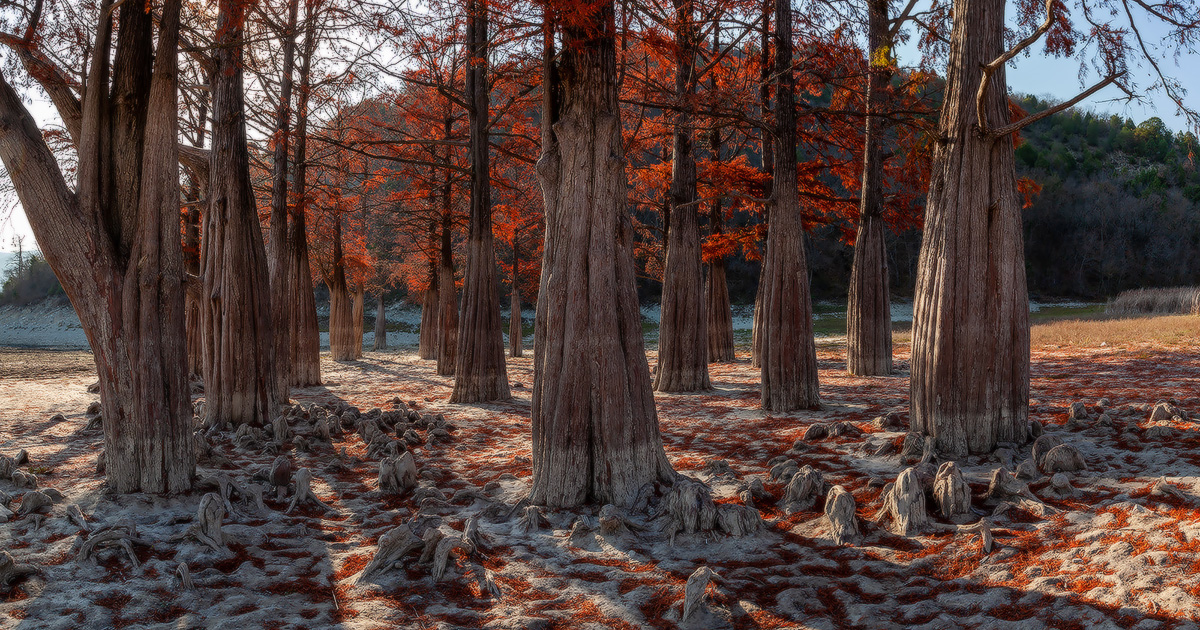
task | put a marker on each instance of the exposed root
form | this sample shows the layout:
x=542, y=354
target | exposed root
x=185, y=577
x=840, y=510
x=397, y=474
x=984, y=529
x=441, y=556
x=804, y=489
x=207, y=528
x=951, y=492
x=1063, y=458
x=695, y=590
x=393, y=546
x=281, y=476
x=34, y=502
x=531, y=521
x=304, y=492
x=688, y=508
x=904, y=505
x=121, y=536
x=11, y=571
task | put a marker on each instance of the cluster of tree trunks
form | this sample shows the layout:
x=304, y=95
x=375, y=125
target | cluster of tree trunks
x=114, y=241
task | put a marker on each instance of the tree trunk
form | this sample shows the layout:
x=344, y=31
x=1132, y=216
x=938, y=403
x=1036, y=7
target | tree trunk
x=970, y=353
x=239, y=351
x=357, y=315
x=380, y=323
x=719, y=312
x=428, y=341
x=345, y=339
x=516, y=331
x=683, y=326
x=768, y=165
x=480, y=373
x=114, y=242
x=595, y=428
x=789, y=355
x=447, y=311
x=304, y=335
x=868, y=312
x=191, y=264
x=277, y=262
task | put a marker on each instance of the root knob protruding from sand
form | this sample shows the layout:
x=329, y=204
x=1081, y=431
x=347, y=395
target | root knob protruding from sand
x=1063, y=458
x=531, y=520
x=951, y=492
x=304, y=493
x=688, y=508
x=904, y=505
x=393, y=546
x=840, y=516
x=805, y=487
x=397, y=475
x=120, y=536
x=695, y=591
x=281, y=476
x=11, y=571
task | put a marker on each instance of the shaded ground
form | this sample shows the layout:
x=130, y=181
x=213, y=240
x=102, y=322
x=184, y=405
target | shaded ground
x=1113, y=555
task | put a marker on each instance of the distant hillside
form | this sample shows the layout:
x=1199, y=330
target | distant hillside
x=1119, y=207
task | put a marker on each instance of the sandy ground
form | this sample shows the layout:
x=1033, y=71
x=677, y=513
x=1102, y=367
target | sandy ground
x=1113, y=555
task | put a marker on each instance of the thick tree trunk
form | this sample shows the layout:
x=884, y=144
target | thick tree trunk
x=789, y=355
x=970, y=356
x=380, y=323
x=304, y=335
x=278, y=243
x=345, y=339
x=480, y=373
x=868, y=312
x=595, y=428
x=239, y=352
x=768, y=165
x=683, y=325
x=447, y=310
x=114, y=242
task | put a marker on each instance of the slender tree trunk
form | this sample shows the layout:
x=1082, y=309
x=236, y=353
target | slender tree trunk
x=683, y=326
x=868, y=312
x=304, y=335
x=595, y=428
x=447, y=294
x=357, y=315
x=239, y=361
x=789, y=355
x=719, y=312
x=516, y=333
x=768, y=164
x=480, y=373
x=970, y=356
x=277, y=262
x=380, y=323
x=345, y=338
x=428, y=341
x=193, y=328
x=114, y=241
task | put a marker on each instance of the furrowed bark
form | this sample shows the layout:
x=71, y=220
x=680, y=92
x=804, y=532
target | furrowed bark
x=970, y=357
x=768, y=165
x=516, y=333
x=868, y=311
x=447, y=310
x=479, y=373
x=277, y=262
x=683, y=326
x=115, y=245
x=239, y=362
x=343, y=346
x=304, y=336
x=380, y=323
x=595, y=428
x=719, y=312
x=789, y=355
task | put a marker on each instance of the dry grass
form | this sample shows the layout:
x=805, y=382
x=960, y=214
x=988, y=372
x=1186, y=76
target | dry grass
x=1165, y=329
x=1164, y=301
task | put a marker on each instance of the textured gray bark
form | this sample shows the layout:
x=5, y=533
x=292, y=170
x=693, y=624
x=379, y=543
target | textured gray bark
x=868, y=311
x=447, y=309
x=595, y=427
x=788, y=350
x=380, y=323
x=479, y=373
x=683, y=326
x=114, y=242
x=719, y=313
x=239, y=352
x=343, y=346
x=970, y=351
x=768, y=166
x=277, y=241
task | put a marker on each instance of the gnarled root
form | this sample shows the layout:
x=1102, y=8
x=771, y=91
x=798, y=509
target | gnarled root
x=441, y=555
x=207, y=528
x=904, y=504
x=120, y=536
x=304, y=492
x=689, y=508
x=806, y=487
x=951, y=492
x=393, y=546
x=531, y=521
x=281, y=476
x=695, y=590
x=840, y=516
x=185, y=577
x=984, y=529
x=11, y=571
x=397, y=474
